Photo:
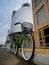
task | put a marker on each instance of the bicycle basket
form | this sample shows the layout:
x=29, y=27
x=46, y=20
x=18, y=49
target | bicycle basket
x=26, y=26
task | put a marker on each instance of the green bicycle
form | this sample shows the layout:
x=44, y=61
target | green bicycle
x=25, y=41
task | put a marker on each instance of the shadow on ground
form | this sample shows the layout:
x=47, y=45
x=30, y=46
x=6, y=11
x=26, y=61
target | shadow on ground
x=23, y=62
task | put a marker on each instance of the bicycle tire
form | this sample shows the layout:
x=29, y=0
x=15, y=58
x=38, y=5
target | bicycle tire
x=33, y=49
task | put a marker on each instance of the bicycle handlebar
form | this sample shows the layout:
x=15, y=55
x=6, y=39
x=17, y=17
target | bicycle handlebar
x=17, y=23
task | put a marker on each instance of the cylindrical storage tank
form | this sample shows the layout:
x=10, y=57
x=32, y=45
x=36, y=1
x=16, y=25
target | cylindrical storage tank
x=24, y=14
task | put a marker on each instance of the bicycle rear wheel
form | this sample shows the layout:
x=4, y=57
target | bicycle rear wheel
x=16, y=50
x=28, y=47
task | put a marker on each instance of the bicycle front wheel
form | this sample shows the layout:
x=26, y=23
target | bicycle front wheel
x=28, y=47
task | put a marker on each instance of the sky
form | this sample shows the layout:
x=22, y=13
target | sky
x=6, y=9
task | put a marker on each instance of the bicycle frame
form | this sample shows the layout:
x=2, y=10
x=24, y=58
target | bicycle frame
x=22, y=36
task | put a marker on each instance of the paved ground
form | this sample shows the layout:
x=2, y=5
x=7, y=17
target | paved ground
x=41, y=59
x=6, y=58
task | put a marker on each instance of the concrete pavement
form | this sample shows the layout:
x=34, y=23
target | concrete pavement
x=41, y=59
x=6, y=58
